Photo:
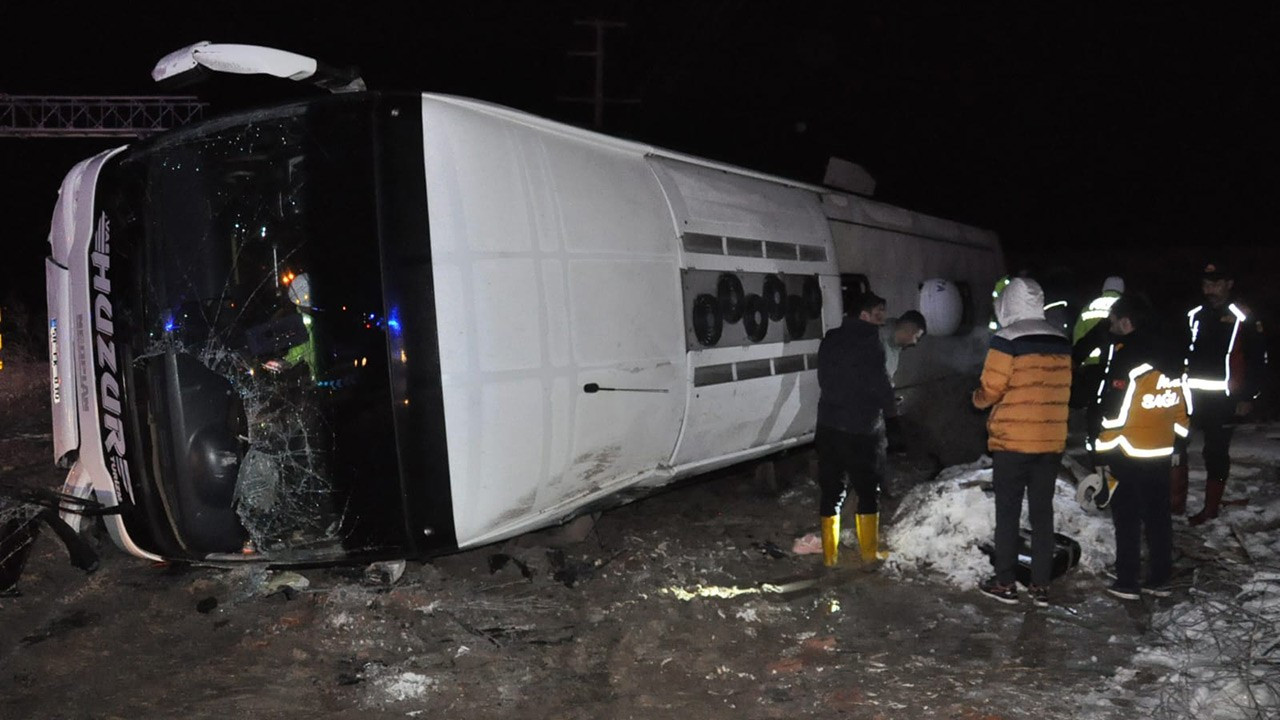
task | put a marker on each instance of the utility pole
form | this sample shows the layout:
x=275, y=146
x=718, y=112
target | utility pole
x=598, y=99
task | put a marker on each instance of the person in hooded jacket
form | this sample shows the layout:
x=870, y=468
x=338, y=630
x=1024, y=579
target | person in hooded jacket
x=1026, y=382
x=855, y=394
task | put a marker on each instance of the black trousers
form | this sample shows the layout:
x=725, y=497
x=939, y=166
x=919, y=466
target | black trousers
x=842, y=454
x=1033, y=475
x=1213, y=414
x=1141, y=506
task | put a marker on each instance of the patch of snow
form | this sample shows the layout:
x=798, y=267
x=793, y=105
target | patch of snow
x=940, y=527
x=406, y=686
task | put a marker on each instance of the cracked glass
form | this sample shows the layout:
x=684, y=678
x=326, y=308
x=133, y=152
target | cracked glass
x=248, y=284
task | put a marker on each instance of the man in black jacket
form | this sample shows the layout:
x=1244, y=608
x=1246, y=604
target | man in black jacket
x=855, y=394
x=1226, y=361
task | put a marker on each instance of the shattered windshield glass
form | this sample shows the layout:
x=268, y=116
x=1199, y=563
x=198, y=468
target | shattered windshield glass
x=258, y=338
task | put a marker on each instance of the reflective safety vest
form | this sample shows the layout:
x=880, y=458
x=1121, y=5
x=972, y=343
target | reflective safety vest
x=1151, y=414
x=1001, y=284
x=1221, y=355
x=1094, y=313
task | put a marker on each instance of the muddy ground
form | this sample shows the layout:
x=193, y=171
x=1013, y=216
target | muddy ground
x=548, y=626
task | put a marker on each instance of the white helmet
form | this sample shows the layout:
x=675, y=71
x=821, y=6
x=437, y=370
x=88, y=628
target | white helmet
x=300, y=290
x=1114, y=283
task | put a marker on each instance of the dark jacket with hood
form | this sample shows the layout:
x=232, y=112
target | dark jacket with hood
x=851, y=374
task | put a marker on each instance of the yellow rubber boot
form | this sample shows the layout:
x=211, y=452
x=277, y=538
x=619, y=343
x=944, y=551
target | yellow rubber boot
x=830, y=540
x=868, y=527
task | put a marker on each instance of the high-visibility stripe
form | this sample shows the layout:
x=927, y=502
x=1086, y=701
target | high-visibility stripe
x=1052, y=305
x=1214, y=384
x=1128, y=397
x=1123, y=443
x=1106, y=370
x=1179, y=430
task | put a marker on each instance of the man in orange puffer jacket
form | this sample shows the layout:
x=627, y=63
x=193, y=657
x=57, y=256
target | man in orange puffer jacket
x=1026, y=381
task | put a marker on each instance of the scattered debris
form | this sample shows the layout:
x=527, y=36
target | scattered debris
x=810, y=544
x=500, y=560
x=571, y=573
x=74, y=620
x=20, y=521
x=384, y=574
x=770, y=549
x=287, y=582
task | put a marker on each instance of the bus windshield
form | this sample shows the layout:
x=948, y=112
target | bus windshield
x=257, y=335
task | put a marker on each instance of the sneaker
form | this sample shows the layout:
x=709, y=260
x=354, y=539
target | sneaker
x=1160, y=590
x=1123, y=592
x=1007, y=594
x=1039, y=595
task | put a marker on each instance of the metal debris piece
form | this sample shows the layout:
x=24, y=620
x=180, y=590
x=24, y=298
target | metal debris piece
x=385, y=573
x=498, y=561
x=288, y=582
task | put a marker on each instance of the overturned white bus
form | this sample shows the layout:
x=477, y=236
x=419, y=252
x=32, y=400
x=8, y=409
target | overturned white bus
x=393, y=325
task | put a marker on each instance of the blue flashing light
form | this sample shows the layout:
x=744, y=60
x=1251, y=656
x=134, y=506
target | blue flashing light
x=168, y=324
x=393, y=320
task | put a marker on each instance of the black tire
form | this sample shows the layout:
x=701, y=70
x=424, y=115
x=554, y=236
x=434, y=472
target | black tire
x=730, y=295
x=812, y=294
x=797, y=317
x=755, y=318
x=775, y=297
x=707, y=323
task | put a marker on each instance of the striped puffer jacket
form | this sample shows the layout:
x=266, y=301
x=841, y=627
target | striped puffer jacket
x=1026, y=378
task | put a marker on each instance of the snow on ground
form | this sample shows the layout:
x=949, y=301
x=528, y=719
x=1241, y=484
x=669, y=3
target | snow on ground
x=405, y=686
x=941, y=525
x=1215, y=651
x=1218, y=656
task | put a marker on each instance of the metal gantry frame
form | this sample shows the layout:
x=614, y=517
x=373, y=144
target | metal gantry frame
x=35, y=116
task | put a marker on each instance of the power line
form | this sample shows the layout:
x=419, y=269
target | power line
x=91, y=116
x=598, y=98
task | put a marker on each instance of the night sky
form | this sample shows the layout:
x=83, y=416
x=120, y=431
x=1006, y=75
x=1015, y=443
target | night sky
x=1136, y=139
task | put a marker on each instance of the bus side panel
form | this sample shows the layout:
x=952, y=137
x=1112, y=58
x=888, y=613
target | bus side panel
x=556, y=273
x=746, y=398
x=933, y=378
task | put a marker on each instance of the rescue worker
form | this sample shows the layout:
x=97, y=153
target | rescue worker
x=1026, y=381
x=994, y=324
x=1226, y=360
x=1144, y=419
x=855, y=395
x=1090, y=344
